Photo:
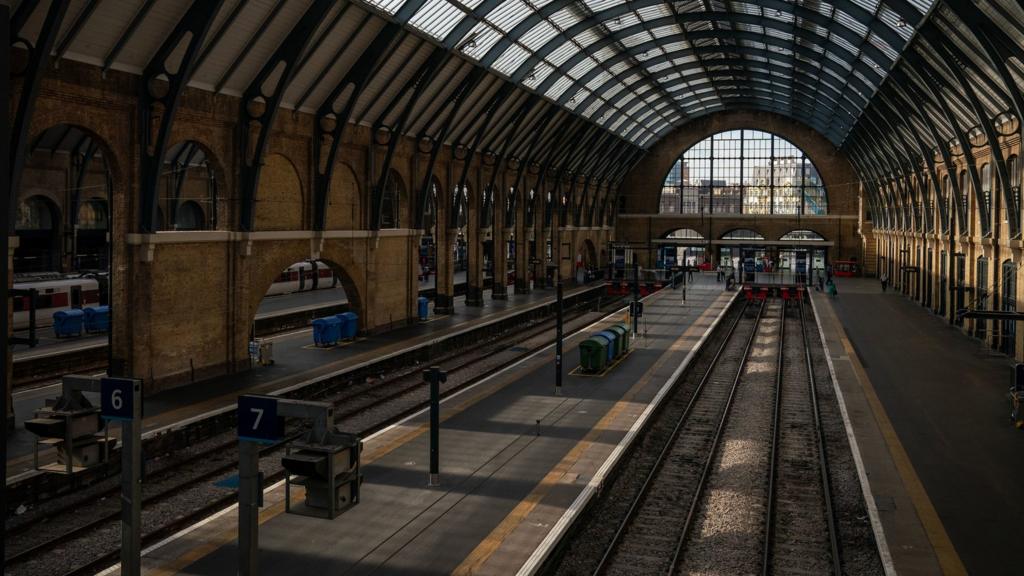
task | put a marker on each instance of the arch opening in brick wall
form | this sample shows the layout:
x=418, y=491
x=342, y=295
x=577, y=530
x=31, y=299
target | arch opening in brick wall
x=68, y=166
x=191, y=191
x=323, y=281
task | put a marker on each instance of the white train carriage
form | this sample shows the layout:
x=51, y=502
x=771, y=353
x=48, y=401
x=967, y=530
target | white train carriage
x=53, y=296
x=303, y=277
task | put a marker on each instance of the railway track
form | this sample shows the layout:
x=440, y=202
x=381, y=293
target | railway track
x=647, y=538
x=732, y=474
x=181, y=491
x=800, y=527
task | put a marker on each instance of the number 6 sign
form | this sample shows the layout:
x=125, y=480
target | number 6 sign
x=117, y=398
x=257, y=419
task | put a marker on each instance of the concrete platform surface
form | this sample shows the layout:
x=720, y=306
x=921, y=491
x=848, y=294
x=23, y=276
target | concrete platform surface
x=514, y=458
x=296, y=361
x=929, y=407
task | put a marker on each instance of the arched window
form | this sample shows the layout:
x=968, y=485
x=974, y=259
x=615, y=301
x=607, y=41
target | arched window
x=35, y=213
x=685, y=234
x=92, y=214
x=1013, y=167
x=803, y=235
x=743, y=171
x=189, y=216
x=986, y=185
x=390, y=201
x=742, y=234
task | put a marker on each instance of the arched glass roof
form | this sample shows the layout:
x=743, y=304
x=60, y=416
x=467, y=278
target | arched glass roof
x=642, y=67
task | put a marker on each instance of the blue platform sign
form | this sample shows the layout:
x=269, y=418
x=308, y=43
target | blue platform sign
x=258, y=420
x=117, y=398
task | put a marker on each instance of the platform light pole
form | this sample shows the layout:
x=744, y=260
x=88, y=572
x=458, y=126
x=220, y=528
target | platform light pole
x=434, y=376
x=558, y=336
x=5, y=252
x=636, y=295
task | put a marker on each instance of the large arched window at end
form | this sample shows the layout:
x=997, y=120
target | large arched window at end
x=742, y=234
x=743, y=172
x=803, y=235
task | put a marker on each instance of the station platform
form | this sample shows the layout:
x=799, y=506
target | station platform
x=297, y=361
x=517, y=463
x=927, y=406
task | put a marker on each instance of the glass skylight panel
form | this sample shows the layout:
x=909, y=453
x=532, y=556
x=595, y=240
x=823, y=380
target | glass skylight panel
x=484, y=37
x=850, y=22
x=659, y=66
x=437, y=18
x=559, y=87
x=780, y=34
x=540, y=73
x=883, y=46
x=599, y=5
x=539, y=35
x=559, y=55
x=581, y=68
x=511, y=59
x=605, y=53
x=614, y=90
x=675, y=46
x=566, y=17
x=389, y=6
x=841, y=42
x=588, y=37
x=508, y=14
x=622, y=21
x=619, y=67
x=893, y=19
x=838, y=60
x=592, y=108
x=598, y=80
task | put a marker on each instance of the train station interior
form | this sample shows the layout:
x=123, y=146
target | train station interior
x=521, y=287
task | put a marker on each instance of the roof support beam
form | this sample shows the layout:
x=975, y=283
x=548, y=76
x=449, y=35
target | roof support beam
x=38, y=60
x=351, y=86
x=419, y=82
x=269, y=86
x=932, y=80
x=157, y=108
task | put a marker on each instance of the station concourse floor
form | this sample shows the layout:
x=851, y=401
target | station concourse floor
x=514, y=457
x=296, y=360
x=928, y=405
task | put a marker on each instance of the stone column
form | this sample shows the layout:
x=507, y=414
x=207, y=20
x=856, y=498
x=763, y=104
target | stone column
x=500, y=236
x=8, y=356
x=444, y=243
x=474, y=247
x=523, y=231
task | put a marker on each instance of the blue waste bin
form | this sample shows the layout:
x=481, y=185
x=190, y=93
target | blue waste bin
x=68, y=322
x=615, y=344
x=326, y=331
x=609, y=345
x=97, y=319
x=423, y=307
x=349, y=325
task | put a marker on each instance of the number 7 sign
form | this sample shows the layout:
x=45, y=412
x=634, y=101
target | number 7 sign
x=257, y=419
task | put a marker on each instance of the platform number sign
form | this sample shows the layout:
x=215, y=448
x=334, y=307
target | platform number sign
x=258, y=420
x=117, y=398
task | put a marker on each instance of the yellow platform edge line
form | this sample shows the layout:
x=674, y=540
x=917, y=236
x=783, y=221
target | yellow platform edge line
x=490, y=544
x=945, y=552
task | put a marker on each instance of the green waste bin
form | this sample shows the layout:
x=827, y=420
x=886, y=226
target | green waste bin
x=593, y=355
x=623, y=335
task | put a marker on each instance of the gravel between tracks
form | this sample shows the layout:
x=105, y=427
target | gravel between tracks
x=727, y=536
x=586, y=541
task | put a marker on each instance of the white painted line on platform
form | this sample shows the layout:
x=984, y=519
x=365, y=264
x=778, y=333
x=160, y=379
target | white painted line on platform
x=371, y=437
x=540, y=554
x=869, y=498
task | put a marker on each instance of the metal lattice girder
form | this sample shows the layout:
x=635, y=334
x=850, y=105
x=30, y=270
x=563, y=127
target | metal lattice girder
x=351, y=86
x=908, y=91
x=270, y=90
x=38, y=60
x=157, y=110
x=415, y=89
x=933, y=80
